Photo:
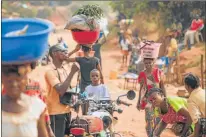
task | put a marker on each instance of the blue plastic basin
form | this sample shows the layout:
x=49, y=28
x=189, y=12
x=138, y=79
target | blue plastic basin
x=28, y=47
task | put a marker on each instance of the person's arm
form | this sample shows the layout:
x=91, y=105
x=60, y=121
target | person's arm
x=61, y=88
x=102, y=40
x=77, y=48
x=71, y=60
x=41, y=126
x=101, y=75
x=140, y=94
x=160, y=127
x=195, y=115
x=178, y=104
x=184, y=112
x=100, y=71
x=161, y=84
x=106, y=92
x=48, y=125
x=47, y=118
x=141, y=82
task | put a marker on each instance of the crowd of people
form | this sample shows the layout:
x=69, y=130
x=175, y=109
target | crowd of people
x=31, y=112
x=161, y=109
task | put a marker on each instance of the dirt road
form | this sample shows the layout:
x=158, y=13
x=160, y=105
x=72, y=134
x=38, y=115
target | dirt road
x=131, y=122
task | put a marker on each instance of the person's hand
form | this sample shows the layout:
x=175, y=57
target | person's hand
x=102, y=81
x=138, y=106
x=74, y=68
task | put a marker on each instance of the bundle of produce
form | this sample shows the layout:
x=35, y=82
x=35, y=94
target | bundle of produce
x=85, y=24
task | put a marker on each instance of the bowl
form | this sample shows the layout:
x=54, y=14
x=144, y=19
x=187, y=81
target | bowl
x=85, y=37
x=28, y=47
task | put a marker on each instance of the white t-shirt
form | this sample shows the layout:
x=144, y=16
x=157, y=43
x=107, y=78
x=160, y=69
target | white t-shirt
x=124, y=44
x=97, y=92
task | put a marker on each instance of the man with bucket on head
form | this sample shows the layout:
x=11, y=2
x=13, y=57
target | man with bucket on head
x=149, y=78
x=58, y=83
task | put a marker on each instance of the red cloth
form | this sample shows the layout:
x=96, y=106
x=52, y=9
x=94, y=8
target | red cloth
x=196, y=24
x=142, y=76
x=33, y=88
x=172, y=117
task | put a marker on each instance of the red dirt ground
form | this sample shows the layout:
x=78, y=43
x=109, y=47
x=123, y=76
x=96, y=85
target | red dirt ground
x=131, y=122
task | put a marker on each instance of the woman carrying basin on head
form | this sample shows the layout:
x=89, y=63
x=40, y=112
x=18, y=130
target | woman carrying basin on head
x=22, y=115
x=149, y=78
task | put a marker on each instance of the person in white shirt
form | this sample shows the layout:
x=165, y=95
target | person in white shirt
x=96, y=91
x=124, y=43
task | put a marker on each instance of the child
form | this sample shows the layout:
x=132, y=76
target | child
x=124, y=43
x=96, y=91
x=87, y=64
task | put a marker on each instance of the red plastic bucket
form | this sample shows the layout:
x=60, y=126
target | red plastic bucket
x=85, y=37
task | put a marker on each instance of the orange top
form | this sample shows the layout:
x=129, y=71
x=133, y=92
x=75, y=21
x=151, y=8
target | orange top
x=53, y=103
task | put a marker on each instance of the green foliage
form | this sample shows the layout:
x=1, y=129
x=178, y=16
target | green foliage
x=17, y=8
x=90, y=11
x=171, y=11
x=129, y=8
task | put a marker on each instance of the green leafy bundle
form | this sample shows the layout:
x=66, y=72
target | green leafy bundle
x=90, y=11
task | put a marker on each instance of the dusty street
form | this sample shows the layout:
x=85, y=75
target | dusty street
x=131, y=122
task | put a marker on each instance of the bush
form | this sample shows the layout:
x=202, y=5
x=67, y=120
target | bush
x=44, y=13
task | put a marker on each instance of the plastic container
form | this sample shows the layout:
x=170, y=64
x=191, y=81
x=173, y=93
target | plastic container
x=85, y=37
x=113, y=75
x=150, y=51
x=28, y=47
x=101, y=34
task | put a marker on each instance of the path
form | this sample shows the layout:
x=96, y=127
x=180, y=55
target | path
x=131, y=122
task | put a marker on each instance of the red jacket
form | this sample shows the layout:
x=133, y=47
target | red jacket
x=196, y=24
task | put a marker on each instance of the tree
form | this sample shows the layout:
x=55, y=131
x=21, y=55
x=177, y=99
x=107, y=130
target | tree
x=171, y=11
